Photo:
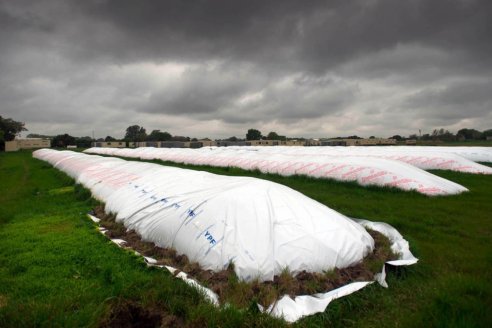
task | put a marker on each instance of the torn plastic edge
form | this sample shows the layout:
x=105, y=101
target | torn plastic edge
x=93, y=218
x=290, y=309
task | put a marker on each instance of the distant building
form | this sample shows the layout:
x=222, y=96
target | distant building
x=295, y=143
x=313, y=142
x=410, y=142
x=30, y=143
x=229, y=143
x=264, y=142
x=155, y=144
x=358, y=142
x=334, y=142
x=171, y=144
x=109, y=144
x=207, y=143
x=276, y=143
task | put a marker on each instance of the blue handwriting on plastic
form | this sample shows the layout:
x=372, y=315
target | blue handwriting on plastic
x=209, y=237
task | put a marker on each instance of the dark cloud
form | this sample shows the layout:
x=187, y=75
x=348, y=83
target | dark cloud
x=204, y=90
x=238, y=94
x=266, y=63
x=453, y=103
x=304, y=34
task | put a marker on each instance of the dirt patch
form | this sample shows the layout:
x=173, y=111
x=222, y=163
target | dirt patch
x=230, y=289
x=129, y=314
x=61, y=190
x=3, y=301
x=59, y=227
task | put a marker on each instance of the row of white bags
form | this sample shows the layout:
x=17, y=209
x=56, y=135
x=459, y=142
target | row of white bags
x=261, y=226
x=364, y=170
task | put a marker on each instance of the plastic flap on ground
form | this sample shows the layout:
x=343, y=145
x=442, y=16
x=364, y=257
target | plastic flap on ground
x=398, y=244
x=294, y=309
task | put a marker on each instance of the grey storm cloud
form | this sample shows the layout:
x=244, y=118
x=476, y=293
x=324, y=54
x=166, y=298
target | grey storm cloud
x=244, y=95
x=464, y=99
x=203, y=90
x=303, y=34
x=280, y=64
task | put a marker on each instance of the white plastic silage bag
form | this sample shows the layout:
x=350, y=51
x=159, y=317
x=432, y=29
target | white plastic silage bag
x=365, y=170
x=260, y=226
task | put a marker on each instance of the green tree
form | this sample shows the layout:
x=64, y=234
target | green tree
x=83, y=142
x=180, y=138
x=469, y=134
x=10, y=128
x=157, y=135
x=35, y=135
x=443, y=135
x=274, y=136
x=135, y=133
x=109, y=138
x=253, y=134
x=426, y=136
x=62, y=141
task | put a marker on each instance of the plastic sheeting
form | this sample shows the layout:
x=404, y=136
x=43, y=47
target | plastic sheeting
x=292, y=309
x=460, y=159
x=365, y=170
x=427, y=158
x=261, y=226
x=476, y=154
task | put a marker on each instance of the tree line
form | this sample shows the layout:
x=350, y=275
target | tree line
x=461, y=135
x=10, y=128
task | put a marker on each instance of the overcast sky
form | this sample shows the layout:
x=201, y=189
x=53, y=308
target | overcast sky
x=216, y=68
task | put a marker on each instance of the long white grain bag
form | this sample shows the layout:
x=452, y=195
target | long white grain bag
x=361, y=169
x=476, y=154
x=426, y=158
x=260, y=226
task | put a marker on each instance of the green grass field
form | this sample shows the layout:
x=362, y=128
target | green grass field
x=57, y=270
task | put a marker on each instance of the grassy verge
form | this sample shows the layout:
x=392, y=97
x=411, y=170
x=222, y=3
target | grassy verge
x=56, y=270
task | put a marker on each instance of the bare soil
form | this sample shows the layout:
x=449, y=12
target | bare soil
x=130, y=314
